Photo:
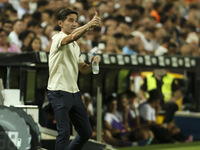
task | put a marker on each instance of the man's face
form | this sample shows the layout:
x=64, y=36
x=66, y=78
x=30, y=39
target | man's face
x=3, y=38
x=123, y=28
x=7, y=27
x=112, y=106
x=69, y=24
x=111, y=23
x=19, y=27
x=172, y=50
x=124, y=102
x=160, y=72
x=24, y=4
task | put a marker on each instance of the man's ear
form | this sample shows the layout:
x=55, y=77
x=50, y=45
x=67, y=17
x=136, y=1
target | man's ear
x=60, y=23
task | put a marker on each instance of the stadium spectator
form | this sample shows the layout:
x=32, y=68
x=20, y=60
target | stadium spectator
x=127, y=115
x=87, y=100
x=166, y=22
x=165, y=133
x=157, y=8
x=46, y=17
x=111, y=46
x=2, y=3
x=116, y=127
x=5, y=46
x=46, y=37
x=18, y=27
x=7, y=25
x=131, y=45
x=169, y=9
x=124, y=28
x=23, y=8
x=168, y=86
x=172, y=49
x=26, y=37
x=120, y=39
x=10, y=11
x=34, y=45
x=26, y=18
x=43, y=5
x=163, y=48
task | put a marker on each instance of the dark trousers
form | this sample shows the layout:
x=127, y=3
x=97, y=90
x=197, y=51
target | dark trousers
x=69, y=106
x=170, y=109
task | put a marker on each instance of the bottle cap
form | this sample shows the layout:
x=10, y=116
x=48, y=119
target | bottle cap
x=94, y=54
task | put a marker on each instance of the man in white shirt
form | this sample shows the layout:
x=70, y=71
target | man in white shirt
x=64, y=63
x=23, y=8
x=163, y=48
x=18, y=27
x=147, y=110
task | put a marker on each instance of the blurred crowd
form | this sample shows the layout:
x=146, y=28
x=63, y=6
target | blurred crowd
x=160, y=27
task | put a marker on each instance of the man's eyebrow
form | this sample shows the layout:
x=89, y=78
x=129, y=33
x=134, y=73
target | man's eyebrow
x=73, y=18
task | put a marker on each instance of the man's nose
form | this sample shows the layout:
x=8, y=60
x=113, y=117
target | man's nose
x=74, y=23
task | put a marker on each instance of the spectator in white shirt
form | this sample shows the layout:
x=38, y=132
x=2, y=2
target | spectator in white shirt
x=162, y=49
x=23, y=8
x=18, y=27
x=164, y=133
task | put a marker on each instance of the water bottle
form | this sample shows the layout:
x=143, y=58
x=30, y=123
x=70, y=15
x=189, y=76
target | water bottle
x=95, y=66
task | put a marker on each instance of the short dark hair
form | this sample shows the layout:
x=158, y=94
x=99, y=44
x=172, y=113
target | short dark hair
x=194, y=6
x=49, y=11
x=2, y=30
x=172, y=45
x=109, y=18
x=183, y=22
x=166, y=39
x=33, y=23
x=191, y=27
x=167, y=7
x=24, y=34
x=20, y=20
x=121, y=96
x=37, y=16
x=164, y=18
x=110, y=98
x=120, y=18
x=174, y=18
x=149, y=30
x=131, y=7
x=141, y=10
x=118, y=35
x=154, y=95
x=62, y=15
x=7, y=21
x=156, y=5
x=26, y=15
x=42, y=3
x=130, y=94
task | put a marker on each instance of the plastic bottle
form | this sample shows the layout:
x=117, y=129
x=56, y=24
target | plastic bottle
x=95, y=66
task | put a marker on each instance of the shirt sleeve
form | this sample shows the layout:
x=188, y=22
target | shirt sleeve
x=108, y=118
x=144, y=85
x=132, y=113
x=57, y=39
x=175, y=85
x=145, y=113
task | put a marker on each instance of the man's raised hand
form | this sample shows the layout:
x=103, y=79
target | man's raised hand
x=95, y=22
